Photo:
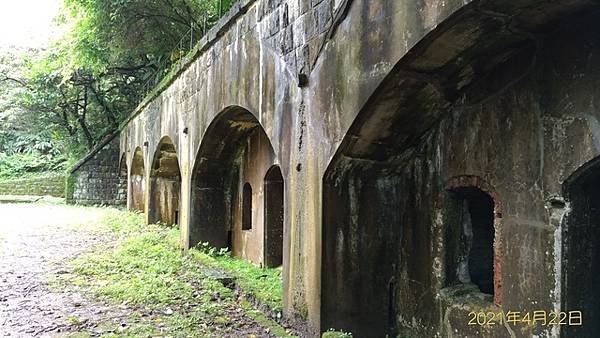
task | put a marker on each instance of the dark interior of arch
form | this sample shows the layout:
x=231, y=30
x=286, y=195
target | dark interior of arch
x=490, y=61
x=138, y=181
x=247, y=207
x=274, y=211
x=165, y=184
x=581, y=253
x=216, y=175
x=469, y=238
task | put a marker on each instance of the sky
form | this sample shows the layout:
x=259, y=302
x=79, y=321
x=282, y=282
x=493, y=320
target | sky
x=27, y=23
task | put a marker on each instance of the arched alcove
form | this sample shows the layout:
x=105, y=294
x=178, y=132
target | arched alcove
x=138, y=181
x=235, y=152
x=468, y=99
x=165, y=184
x=274, y=209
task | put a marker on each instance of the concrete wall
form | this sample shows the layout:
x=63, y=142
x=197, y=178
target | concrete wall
x=375, y=111
x=53, y=185
x=253, y=162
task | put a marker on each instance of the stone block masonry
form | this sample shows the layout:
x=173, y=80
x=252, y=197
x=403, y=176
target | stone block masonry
x=47, y=184
x=96, y=179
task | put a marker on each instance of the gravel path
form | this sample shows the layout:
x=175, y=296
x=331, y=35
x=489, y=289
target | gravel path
x=37, y=242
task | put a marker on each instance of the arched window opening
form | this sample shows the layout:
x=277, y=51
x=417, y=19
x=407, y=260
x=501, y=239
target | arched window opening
x=469, y=238
x=247, y=207
x=274, y=191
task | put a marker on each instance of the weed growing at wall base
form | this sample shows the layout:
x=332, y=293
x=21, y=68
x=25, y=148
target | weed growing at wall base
x=262, y=284
x=171, y=293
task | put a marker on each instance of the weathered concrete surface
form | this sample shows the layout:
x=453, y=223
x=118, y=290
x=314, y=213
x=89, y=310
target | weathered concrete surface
x=402, y=98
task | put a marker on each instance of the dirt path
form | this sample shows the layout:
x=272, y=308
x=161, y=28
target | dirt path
x=37, y=241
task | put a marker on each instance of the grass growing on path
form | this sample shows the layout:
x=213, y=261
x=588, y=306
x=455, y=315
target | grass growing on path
x=171, y=293
x=262, y=284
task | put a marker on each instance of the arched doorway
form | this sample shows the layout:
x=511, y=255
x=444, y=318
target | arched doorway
x=274, y=196
x=165, y=184
x=138, y=181
x=227, y=185
x=581, y=253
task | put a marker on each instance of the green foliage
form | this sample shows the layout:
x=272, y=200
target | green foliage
x=331, y=333
x=69, y=187
x=142, y=271
x=28, y=164
x=147, y=271
x=265, y=285
x=88, y=81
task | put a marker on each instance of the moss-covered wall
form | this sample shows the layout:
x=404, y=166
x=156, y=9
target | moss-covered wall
x=51, y=184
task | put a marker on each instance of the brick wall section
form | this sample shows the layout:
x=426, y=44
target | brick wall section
x=53, y=185
x=96, y=180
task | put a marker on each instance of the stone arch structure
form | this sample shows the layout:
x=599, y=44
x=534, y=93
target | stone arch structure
x=581, y=249
x=165, y=184
x=403, y=96
x=235, y=152
x=477, y=96
x=137, y=179
x=274, y=191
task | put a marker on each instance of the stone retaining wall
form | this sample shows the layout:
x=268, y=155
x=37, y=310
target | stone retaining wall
x=96, y=180
x=53, y=185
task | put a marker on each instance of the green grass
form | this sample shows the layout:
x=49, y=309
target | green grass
x=147, y=272
x=336, y=334
x=142, y=270
x=263, y=284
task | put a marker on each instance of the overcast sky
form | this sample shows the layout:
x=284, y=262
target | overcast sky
x=27, y=23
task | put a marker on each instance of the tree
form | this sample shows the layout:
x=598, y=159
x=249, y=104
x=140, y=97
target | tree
x=89, y=80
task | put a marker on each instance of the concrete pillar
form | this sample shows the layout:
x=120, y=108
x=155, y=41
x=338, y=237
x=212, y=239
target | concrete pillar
x=147, y=186
x=185, y=205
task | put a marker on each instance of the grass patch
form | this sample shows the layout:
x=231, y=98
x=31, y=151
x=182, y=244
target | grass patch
x=170, y=293
x=142, y=270
x=263, y=284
